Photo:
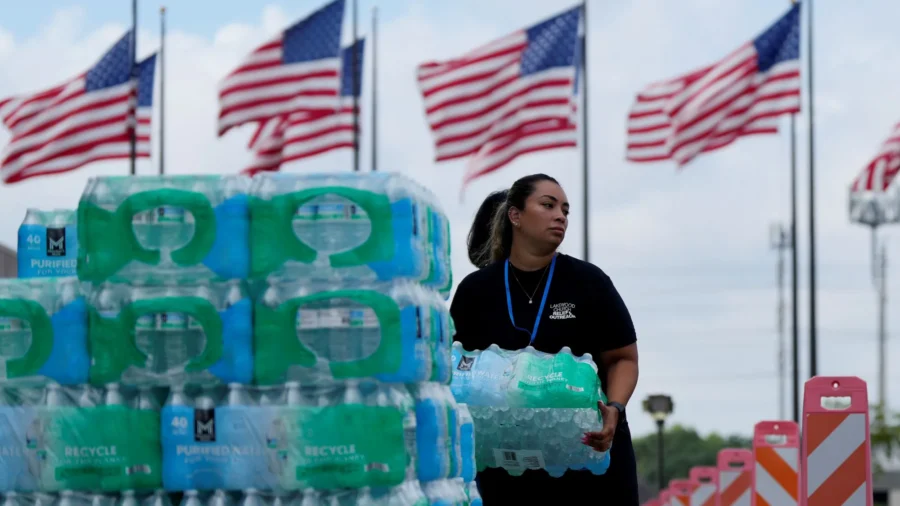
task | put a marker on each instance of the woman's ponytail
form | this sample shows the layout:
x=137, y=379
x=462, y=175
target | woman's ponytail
x=480, y=243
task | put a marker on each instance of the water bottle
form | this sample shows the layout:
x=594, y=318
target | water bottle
x=466, y=443
x=433, y=434
x=43, y=332
x=453, y=430
x=360, y=227
x=48, y=244
x=151, y=228
x=316, y=333
x=179, y=450
x=198, y=334
x=473, y=494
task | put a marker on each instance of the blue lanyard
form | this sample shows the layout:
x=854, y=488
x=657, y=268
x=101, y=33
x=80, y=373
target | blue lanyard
x=537, y=321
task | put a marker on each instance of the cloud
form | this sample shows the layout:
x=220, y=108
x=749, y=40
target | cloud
x=688, y=249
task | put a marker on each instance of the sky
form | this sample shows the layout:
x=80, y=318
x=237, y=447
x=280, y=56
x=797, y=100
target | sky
x=688, y=249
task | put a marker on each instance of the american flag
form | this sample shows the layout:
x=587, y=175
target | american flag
x=297, y=70
x=510, y=97
x=880, y=172
x=707, y=109
x=83, y=120
x=309, y=133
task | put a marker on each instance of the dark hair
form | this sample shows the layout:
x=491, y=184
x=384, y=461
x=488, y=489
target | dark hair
x=490, y=238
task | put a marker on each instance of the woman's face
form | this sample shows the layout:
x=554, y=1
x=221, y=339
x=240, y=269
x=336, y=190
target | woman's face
x=545, y=217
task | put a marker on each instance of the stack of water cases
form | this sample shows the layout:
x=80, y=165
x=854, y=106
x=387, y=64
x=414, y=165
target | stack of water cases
x=530, y=408
x=353, y=342
x=164, y=262
x=61, y=438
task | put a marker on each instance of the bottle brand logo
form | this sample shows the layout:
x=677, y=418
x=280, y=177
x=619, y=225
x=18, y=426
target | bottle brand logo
x=465, y=363
x=56, y=242
x=205, y=425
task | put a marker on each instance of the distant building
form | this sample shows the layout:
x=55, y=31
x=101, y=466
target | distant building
x=7, y=262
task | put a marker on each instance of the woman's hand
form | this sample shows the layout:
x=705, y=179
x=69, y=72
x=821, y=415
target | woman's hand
x=602, y=441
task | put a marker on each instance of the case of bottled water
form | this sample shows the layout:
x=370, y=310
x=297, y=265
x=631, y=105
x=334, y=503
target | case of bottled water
x=530, y=408
x=373, y=226
x=289, y=438
x=73, y=498
x=406, y=494
x=48, y=244
x=60, y=438
x=148, y=228
x=43, y=332
x=395, y=332
x=170, y=335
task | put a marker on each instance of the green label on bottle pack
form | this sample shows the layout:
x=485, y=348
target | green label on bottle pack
x=332, y=447
x=557, y=382
x=105, y=448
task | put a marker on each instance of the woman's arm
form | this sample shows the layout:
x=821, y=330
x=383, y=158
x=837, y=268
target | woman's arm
x=618, y=357
x=621, y=373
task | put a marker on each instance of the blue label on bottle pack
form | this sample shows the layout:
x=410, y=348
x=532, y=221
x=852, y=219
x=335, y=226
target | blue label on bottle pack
x=19, y=460
x=47, y=251
x=221, y=448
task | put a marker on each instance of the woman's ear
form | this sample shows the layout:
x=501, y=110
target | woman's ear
x=514, y=216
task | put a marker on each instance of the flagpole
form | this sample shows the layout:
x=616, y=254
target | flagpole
x=162, y=90
x=795, y=332
x=584, y=131
x=355, y=82
x=813, y=348
x=374, y=113
x=133, y=126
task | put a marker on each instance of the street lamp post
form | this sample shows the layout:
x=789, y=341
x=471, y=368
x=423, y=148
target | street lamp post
x=659, y=407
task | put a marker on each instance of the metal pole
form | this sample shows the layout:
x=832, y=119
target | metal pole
x=660, y=452
x=781, y=369
x=374, y=55
x=795, y=306
x=355, y=82
x=882, y=328
x=584, y=131
x=132, y=140
x=781, y=240
x=813, y=346
x=162, y=90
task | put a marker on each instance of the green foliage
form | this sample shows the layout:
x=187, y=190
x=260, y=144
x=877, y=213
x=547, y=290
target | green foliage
x=684, y=449
x=885, y=432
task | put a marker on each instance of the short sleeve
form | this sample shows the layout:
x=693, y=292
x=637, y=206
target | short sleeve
x=613, y=322
x=464, y=311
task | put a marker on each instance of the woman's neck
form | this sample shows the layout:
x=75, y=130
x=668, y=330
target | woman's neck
x=526, y=260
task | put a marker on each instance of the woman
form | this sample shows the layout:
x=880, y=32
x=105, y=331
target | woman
x=549, y=300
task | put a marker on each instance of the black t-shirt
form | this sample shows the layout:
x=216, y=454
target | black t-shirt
x=583, y=310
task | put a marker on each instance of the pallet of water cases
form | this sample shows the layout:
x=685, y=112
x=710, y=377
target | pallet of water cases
x=705, y=481
x=776, y=455
x=836, y=458
x=735, y=477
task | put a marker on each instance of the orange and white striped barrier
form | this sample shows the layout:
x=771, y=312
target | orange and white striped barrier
x=665, y=498
x=836, y=455
x=681, y=492
x=706, y=486
x=776, y=452
x=735, y=477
